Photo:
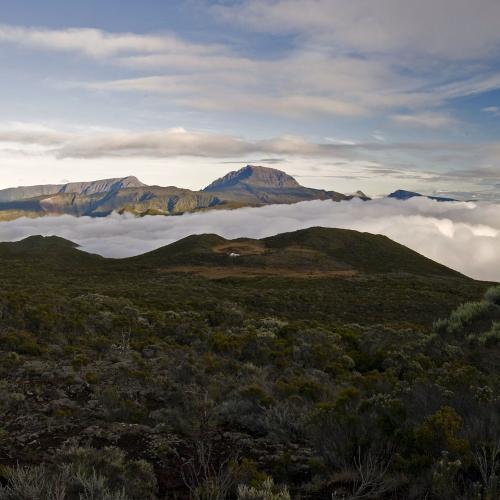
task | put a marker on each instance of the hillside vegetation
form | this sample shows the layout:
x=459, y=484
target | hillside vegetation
x=319, y=364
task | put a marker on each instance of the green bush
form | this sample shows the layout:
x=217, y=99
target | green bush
x=492, y=295
x=462, y=317
x=22, y=342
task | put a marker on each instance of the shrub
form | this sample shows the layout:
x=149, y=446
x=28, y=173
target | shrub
x=305, y=387
x=492, y=295
x=135, y=478
x=256, y=395
x=462, y=317
x=41, y=483
x=92, y=378
x=21, y=342
x=25, y=483
x=119, y=407
x=227, y=314
x=440, y=432
x=284, y=420
x=205, y=479
x=266, y=491
x=79, y=361
x=489, y=338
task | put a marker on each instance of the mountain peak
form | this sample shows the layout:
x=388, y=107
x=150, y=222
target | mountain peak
x=100, y=186
x=38, y=240
x=401, y=194
x=82, y=188
x=360, y=194
x=254, y=175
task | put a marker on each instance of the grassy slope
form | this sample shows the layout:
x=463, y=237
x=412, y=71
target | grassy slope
x=315, y=248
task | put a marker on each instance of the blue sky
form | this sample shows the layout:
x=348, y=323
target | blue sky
x=370, y=94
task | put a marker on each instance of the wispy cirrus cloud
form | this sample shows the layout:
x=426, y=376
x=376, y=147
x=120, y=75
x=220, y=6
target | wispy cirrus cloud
x=493, y=110
x=295, y=84
x=100, y=44
x=426, y=119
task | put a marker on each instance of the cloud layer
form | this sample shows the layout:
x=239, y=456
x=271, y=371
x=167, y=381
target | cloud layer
x=463, y=236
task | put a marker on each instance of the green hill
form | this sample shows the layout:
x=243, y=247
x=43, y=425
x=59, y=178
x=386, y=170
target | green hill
x=46, y=250
x=313, y=249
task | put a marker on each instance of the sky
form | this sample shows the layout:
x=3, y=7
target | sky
x=343, y=94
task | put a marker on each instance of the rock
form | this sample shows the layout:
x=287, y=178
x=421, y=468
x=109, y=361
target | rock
x=63, y=403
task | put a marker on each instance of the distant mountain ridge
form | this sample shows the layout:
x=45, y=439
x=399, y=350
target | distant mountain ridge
x=255, y=185
x=250, y=186
x=401, y=194
x=85, y=188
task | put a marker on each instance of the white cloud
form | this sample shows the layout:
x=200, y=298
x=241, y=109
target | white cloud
x=428, y=119
x=32, y=134
x=100, y=44
x=474, y=85
x=304, y=82
x=494, y=110
x=177, y=141
x=456, y=29
x=464, y=236
x=157, y=143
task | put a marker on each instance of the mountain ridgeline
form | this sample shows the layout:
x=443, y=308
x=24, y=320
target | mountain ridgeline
x=249, y=186
x=403, y=195
x=81, y=188
x=262, y=186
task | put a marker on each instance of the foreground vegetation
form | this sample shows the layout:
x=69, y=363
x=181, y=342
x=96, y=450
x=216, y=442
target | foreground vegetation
x=130, y=380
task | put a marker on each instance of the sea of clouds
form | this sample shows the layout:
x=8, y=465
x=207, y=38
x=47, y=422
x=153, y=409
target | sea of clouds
x=463, y=236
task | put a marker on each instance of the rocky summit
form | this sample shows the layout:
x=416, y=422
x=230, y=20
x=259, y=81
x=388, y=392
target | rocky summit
x=254, y=176
x=255, y=185
x=85, y=188
x=404, y=195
